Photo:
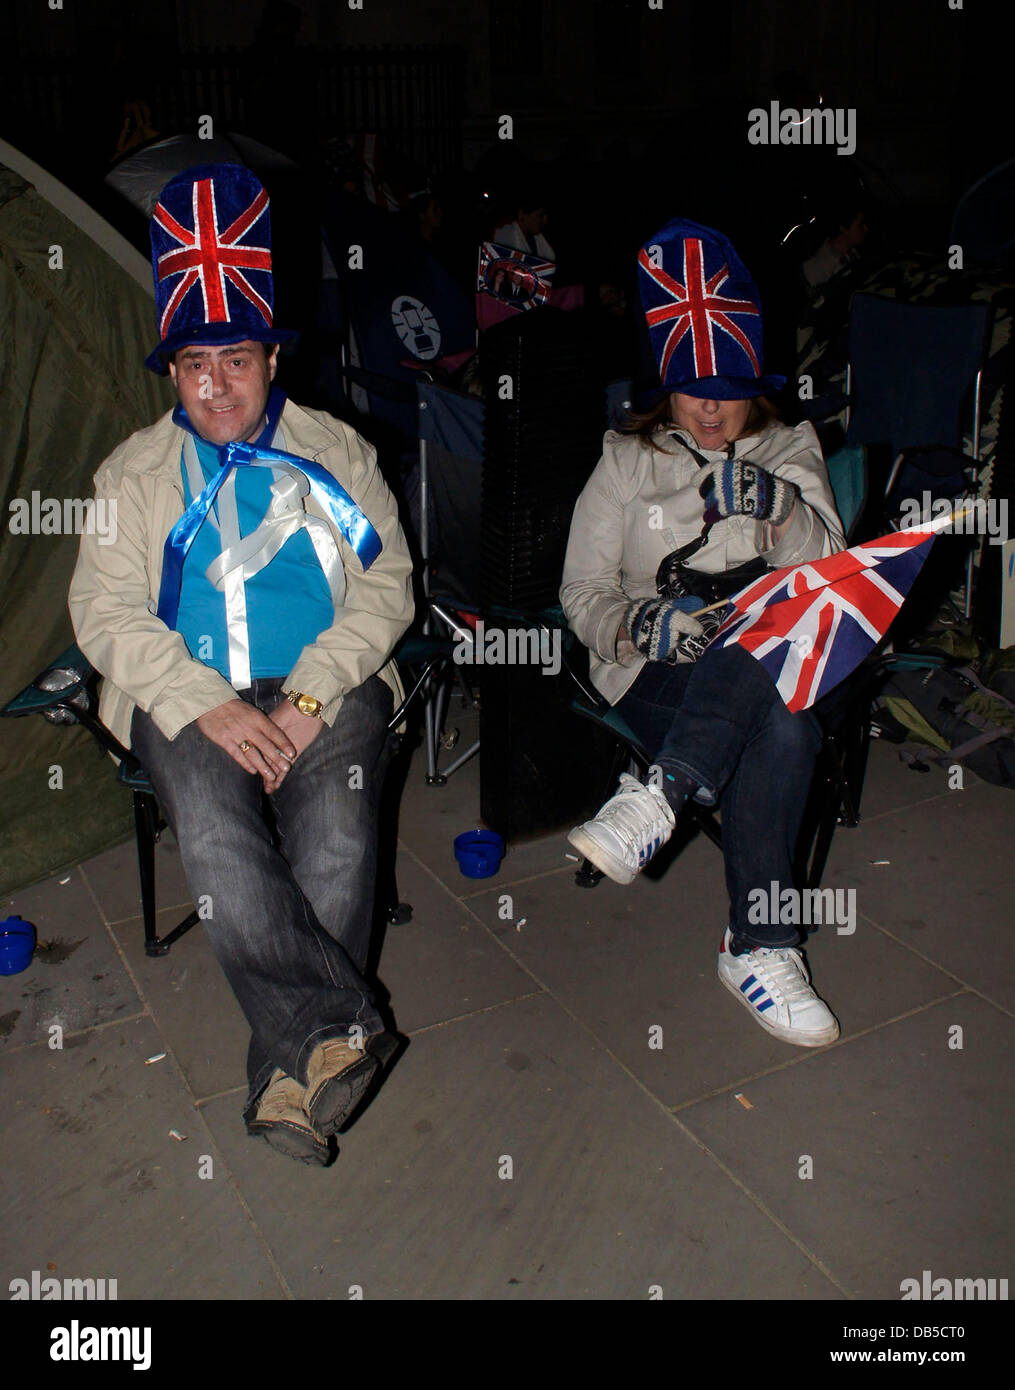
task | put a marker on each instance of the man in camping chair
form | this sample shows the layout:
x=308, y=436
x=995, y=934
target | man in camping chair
x=243, y=620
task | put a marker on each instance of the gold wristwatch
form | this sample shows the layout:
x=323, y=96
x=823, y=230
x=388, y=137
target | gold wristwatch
x=306, y=704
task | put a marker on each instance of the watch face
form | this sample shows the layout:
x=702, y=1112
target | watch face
x=306, y=704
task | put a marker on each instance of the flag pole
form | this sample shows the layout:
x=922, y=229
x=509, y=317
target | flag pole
x=723, y=603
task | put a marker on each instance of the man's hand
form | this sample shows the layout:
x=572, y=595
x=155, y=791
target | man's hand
x=269, y=751
x=301, y=729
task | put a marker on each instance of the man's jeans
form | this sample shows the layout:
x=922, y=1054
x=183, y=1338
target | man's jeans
x=722, y=721
x=290, y=925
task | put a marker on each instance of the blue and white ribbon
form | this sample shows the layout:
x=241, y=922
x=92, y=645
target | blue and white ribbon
x=329, y=494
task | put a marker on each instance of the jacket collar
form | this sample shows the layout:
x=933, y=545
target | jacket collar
x=740, y=446
x=157, y=448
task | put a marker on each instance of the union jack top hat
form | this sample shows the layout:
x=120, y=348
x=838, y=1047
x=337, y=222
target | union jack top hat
x=704, y=315
x=211, y=259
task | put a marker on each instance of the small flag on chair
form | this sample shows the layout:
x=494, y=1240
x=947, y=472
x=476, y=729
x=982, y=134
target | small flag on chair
x=509, y=281
x=810, y=625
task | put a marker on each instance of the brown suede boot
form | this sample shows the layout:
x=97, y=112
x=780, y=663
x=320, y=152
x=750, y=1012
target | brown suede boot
x=338, y=1077
x=281, y=1119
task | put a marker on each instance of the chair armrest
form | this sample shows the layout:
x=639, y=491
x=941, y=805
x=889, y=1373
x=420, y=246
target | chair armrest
x=61, y=681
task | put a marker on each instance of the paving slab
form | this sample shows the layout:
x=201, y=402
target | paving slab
x=75, y=979
x=607, y=1195
x=948, y=885
x=93, y=1186
x=891, y=784
x=910, y=1140
x=431, y=817
x=443, y=963
x=629, y=961
x=113, y=878
x=190, y=1000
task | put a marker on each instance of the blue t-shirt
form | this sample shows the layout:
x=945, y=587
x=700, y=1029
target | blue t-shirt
x=288, y=601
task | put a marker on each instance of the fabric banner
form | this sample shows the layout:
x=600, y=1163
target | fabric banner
x=452, y=420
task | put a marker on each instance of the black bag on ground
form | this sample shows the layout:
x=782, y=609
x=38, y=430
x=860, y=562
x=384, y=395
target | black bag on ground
x=964, y=721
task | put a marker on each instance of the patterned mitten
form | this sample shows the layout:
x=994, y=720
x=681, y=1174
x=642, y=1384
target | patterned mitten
x=735, y=488
x=657, y=625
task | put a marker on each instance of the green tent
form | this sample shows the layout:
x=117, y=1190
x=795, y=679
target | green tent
x=78, y=317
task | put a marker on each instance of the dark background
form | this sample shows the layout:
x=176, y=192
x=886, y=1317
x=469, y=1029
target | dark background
x=626, y=111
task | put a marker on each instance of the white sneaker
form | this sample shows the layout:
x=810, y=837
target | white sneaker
x=627, y=831
x=775, y=986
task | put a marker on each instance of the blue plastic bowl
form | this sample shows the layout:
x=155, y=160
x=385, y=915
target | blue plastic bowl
x=17, y=945
x=479, y=853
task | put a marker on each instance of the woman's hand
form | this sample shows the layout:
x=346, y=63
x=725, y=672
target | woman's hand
x=736, y=488
x=658, y=627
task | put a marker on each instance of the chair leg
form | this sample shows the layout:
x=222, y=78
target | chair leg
x=144, y=830
x=587, y=875
x=432, y=729
x=842, y=767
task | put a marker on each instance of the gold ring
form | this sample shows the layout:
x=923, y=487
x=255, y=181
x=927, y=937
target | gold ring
x=244, y=746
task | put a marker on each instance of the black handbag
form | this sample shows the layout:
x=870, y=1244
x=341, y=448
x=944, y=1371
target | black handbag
x=674, y=579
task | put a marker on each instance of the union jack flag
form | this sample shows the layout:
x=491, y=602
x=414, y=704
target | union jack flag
x=513, y=276
x=810, y=625
x=697, y=307
x=214, y=261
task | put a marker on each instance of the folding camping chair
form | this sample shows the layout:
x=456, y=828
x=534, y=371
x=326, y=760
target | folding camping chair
x=66, y=693
x=845, y=716
x=913, y=379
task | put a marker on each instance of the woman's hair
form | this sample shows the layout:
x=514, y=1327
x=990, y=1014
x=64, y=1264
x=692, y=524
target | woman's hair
x=645, y=423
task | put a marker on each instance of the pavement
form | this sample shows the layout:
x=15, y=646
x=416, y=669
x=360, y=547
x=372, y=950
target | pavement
x=582, y=1111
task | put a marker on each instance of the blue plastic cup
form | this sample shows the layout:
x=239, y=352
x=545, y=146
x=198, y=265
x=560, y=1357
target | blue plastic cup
x=479, y=853
x=17, y=945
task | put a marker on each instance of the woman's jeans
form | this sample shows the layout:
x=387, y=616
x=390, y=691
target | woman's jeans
x=722, y=721
x=289, y=923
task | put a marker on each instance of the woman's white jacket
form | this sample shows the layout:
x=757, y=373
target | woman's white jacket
x=642, y=502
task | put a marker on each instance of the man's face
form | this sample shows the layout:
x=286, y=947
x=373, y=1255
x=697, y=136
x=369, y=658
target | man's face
x=532, y=222
x=713, y=423
x=224, y=390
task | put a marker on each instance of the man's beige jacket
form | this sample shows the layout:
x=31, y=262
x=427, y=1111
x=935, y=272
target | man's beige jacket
x=115, y=587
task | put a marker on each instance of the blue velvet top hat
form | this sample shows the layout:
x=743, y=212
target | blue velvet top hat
x=704, y=315
x=211, y=259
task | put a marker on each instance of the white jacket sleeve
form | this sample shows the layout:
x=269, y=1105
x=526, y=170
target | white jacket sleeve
x=591, y=592
x=814, y=529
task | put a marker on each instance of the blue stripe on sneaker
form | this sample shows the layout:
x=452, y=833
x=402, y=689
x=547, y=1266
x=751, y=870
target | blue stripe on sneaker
x=767, y=1005
x=747, y=984
x=757, y=993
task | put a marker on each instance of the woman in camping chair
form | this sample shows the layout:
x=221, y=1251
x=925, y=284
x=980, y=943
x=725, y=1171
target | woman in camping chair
x=708, y=474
